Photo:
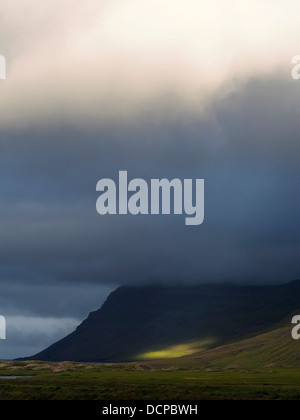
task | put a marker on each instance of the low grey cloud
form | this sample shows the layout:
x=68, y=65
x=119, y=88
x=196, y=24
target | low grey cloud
x=32, y=333
x=245, y=149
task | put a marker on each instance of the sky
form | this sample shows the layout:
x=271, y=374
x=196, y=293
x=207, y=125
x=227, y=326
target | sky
x=162, y=89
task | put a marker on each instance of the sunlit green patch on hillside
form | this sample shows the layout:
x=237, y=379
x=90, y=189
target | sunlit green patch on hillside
x=179, y=350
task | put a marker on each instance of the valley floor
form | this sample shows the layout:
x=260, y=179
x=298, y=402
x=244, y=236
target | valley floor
x=138, y=381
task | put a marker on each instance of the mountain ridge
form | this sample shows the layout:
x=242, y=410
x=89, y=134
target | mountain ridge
x=138, y=320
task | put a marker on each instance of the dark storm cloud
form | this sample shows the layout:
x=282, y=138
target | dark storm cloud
x=246, y=150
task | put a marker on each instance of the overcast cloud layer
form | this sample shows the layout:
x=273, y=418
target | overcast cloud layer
x=162, y=88
x=98, y=60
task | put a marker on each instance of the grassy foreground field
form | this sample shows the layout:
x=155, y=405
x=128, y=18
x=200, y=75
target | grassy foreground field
x=266, y=366
x=138, y=381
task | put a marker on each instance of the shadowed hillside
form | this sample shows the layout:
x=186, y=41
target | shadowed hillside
x=159, y=321
x=271, y=349
x=275, y=348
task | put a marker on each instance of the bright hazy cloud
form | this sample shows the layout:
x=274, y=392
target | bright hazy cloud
x=98, y=59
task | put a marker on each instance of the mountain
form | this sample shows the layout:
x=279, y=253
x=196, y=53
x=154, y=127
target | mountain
x=138, y=323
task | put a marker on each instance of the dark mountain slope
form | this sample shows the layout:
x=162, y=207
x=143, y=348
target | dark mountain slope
x=137, y=320
x=272, y=349
x=275, y=348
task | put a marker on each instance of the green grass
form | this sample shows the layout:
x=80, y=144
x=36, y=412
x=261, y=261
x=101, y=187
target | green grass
x=105, y=382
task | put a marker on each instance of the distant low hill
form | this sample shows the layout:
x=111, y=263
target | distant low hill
x=152, y=322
